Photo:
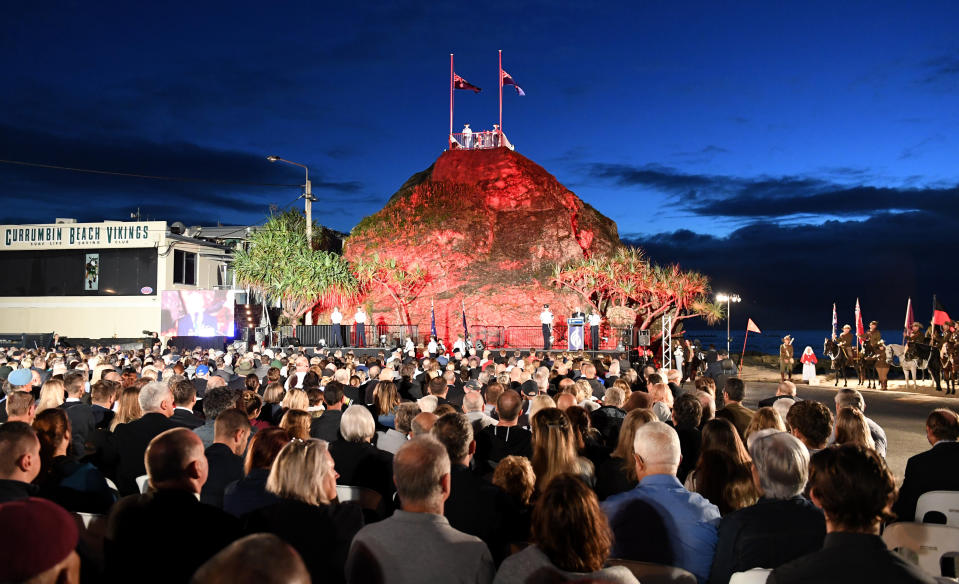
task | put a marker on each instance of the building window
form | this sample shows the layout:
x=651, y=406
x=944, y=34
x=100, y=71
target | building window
x=184, y=267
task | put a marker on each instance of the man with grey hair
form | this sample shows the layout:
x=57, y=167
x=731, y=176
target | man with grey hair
x=848, y=397
x=780, y=527
x=609, y=418
x=131, y=439
x=381, y=552
x=475, y=409
x=659, y=511
x=785, y=389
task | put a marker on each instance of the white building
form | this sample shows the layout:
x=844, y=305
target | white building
x=99, y=280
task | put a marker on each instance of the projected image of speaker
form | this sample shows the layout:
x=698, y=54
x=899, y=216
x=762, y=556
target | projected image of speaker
x=196, y=313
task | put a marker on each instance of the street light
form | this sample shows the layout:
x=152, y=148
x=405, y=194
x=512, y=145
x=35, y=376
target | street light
x=727, y=298
x=307, y=194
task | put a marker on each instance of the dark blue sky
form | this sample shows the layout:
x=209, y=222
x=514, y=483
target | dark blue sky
x=772, y=145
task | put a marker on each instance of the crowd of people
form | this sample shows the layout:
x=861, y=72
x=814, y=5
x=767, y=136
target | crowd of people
x=507, y=467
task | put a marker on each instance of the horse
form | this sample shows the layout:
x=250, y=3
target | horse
x=865, y=363
x=909, y=366
x=928, y=358
x=831, y=349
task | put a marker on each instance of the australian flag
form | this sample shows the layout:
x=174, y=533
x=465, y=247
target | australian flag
x=508, y=80
x=460, y=83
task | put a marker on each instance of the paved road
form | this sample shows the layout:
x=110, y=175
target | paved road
x=902, y=415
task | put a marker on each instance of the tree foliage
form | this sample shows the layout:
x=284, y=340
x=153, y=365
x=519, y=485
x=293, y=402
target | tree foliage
x=277, y=262
x=628, y=283
x=403, y=283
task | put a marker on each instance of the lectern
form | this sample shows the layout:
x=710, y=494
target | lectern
x=575, y=333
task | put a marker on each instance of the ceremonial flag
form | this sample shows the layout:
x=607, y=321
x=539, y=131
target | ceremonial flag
x=507, y=79
x=939, y=314
x=909, y=320
x=860, y=330
x=835, y=321
x=460, y=83
x=751, y=327
x=432, y=320
x=466, y=331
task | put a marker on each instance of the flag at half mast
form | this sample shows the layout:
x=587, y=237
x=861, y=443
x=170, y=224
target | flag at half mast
x=460, y=83
x=507, y=79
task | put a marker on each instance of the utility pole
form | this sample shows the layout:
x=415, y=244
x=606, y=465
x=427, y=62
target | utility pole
x=307, y=195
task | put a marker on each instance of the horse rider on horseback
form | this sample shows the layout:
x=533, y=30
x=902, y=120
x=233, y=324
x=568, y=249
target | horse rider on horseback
x=872, y=338
x=846, y=342
x=915, y=337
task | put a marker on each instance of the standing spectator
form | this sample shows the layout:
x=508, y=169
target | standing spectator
x=571, y=539
x=733, y=394
x=381, y=552
x=225, y=456
x=659, y=512
x=936, y=469
x=52, y=395
x=854, y=489
x=21, y=407
x=132, y=439
x=297, y=424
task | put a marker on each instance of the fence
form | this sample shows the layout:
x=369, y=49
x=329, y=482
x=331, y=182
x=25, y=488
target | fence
x=478, y=140
x=377, y=335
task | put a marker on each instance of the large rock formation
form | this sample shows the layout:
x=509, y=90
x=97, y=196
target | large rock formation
x=488, y=226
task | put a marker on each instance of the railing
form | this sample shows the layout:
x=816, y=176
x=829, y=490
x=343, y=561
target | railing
x=377, y=335
x=479, y=140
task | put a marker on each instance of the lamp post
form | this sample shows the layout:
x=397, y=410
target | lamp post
x=727, y=298
x=307, y=194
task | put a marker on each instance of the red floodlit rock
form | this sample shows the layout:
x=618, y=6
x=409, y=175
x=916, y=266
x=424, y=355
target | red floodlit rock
x=488, y=226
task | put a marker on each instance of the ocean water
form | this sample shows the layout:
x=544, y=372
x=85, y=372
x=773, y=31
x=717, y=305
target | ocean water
x=769, y=340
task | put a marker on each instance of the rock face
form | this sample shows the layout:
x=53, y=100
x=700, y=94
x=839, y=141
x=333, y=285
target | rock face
x=488, y=226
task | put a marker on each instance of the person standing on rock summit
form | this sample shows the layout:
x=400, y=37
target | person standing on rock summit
x=546, y=318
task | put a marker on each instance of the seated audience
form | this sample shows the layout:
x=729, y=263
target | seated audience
x=131, y=439
x=765, y=417
x=589, y=442
x=617, y=474
x=848, y=397
x=719, y=434
x=785, y=390
x=811, y=422
x=687, y=414
x=659, y=520
x=783, y=524
x=297, y=424
x=225, y=456
x=851, y=428
x=734, y=393
x=184, y=398
x=724, y=480
x=570, y=540
x=327, y=426
x=506, y=438
x=307, y=515
x=514, y=475
x=20, y=461
x=103, y=394
x=358, y=462
x=391, y=439
x=554, y=448
x=608, y=418
x=384, y=551
x=241, y=562
x=128, y=408
x=936, y=469
x=853, y=487
x=249, y=493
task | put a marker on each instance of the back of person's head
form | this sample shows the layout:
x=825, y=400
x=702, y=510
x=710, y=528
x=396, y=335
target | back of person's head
x=812, y=420
x=103, y=391
x=687, y=411
x=418, y=470
x=174, y=457
x=300, y=471
x=357, y=424
x=853, y=487
x=273, y=393
x=735, y=389
x=422, y=423
x=184, y=392
x=724, y=481
x=786, y=387
x=473, y=402
x=514, y=474
x=38, y=540
x=241, y=562
x=249, y=403
x=405, y=413
x=764, y=418
x=657, y=444
x=74, y=383
x=19, y=452
x=781, y=462
x=614, y=396
x=782, y=407
x=333, y=393
x=848, y=397
x=720, y=434
x=554, y=444
x=851, y=428
x=437, y=386
x=569, y=527
x=455, y=433
x=218, y=400
x=627, y=434
x=654, y=378
x=943, y=424
x=706, y=383
x=19, y=404
x=52, y=427
x=264, y=446
x=540, y=402
x=509, y=405
x=297, y=423
x=229, y=422
x=152, y=395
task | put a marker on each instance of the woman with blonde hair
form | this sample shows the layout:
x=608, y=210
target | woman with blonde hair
x=295, y=399
x=308, y=516
x=385, y=401
x=128, y=408
x=297, y=423
x=52, y=394
x=617, y=474
x=851, y=428
x=554, y=448
x=763, y=418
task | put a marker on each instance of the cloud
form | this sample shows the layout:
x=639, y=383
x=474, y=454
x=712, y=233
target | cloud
x=944, y=68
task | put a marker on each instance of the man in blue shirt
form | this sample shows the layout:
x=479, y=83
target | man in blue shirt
x=659, y=520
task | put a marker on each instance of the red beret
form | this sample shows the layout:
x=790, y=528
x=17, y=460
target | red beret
x=37, y=535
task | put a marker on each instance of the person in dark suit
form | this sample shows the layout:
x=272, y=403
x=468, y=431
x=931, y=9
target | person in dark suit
x=936, y=469
x=307, y=515
x=249, y=493
x=359, y=463
x=687, y=414
x=131, y=440
x=82, y=421
x=782, y=525
x=327, y=426
x=733, y=394
x=853, y=487
x=224, y=457
x=184, y=400
x=507, y=437
x=103, y=394
x=169, y=521
x=784, y=389
x=609, y=418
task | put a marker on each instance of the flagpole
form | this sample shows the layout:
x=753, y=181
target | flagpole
x=932, y=321
x=743, y=354
x=905, y=324
x=501, y=91
x=450, y=137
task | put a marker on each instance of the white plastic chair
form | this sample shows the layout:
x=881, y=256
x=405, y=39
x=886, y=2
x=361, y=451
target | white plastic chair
x=923, y=544
x=753, y=576
x=945, y=502
x=652, y=573
x=143, y=483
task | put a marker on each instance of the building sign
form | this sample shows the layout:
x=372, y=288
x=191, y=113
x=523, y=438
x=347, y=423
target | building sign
x=91, y=273
x=82, y=235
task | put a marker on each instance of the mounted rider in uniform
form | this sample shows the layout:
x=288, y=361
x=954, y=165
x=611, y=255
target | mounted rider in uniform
x=847, y=342
x=915, y=337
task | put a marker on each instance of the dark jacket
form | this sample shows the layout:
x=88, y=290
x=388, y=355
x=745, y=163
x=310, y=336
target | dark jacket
x=850, y=557
x=608, y=420
x=739, y=415
x=690, y=440
x=248, y=494
x=11, y=490
x=766, y=535
x=102, y=416
x=360, y=464
x=478, y=508
x=936, y=469
x=225, y=468
x=131, y=441
x=322, y=534
x=327, y=426
x=188, y=531
x=611, y=478
x=186, y=419
x=82, y=425
x=76, y=486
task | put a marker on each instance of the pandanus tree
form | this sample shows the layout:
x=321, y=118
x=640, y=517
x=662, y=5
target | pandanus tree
x=402, y=283
x=277, y=261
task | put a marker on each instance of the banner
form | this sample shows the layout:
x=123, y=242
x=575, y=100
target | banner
x=91, y=276
x=82, y=235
